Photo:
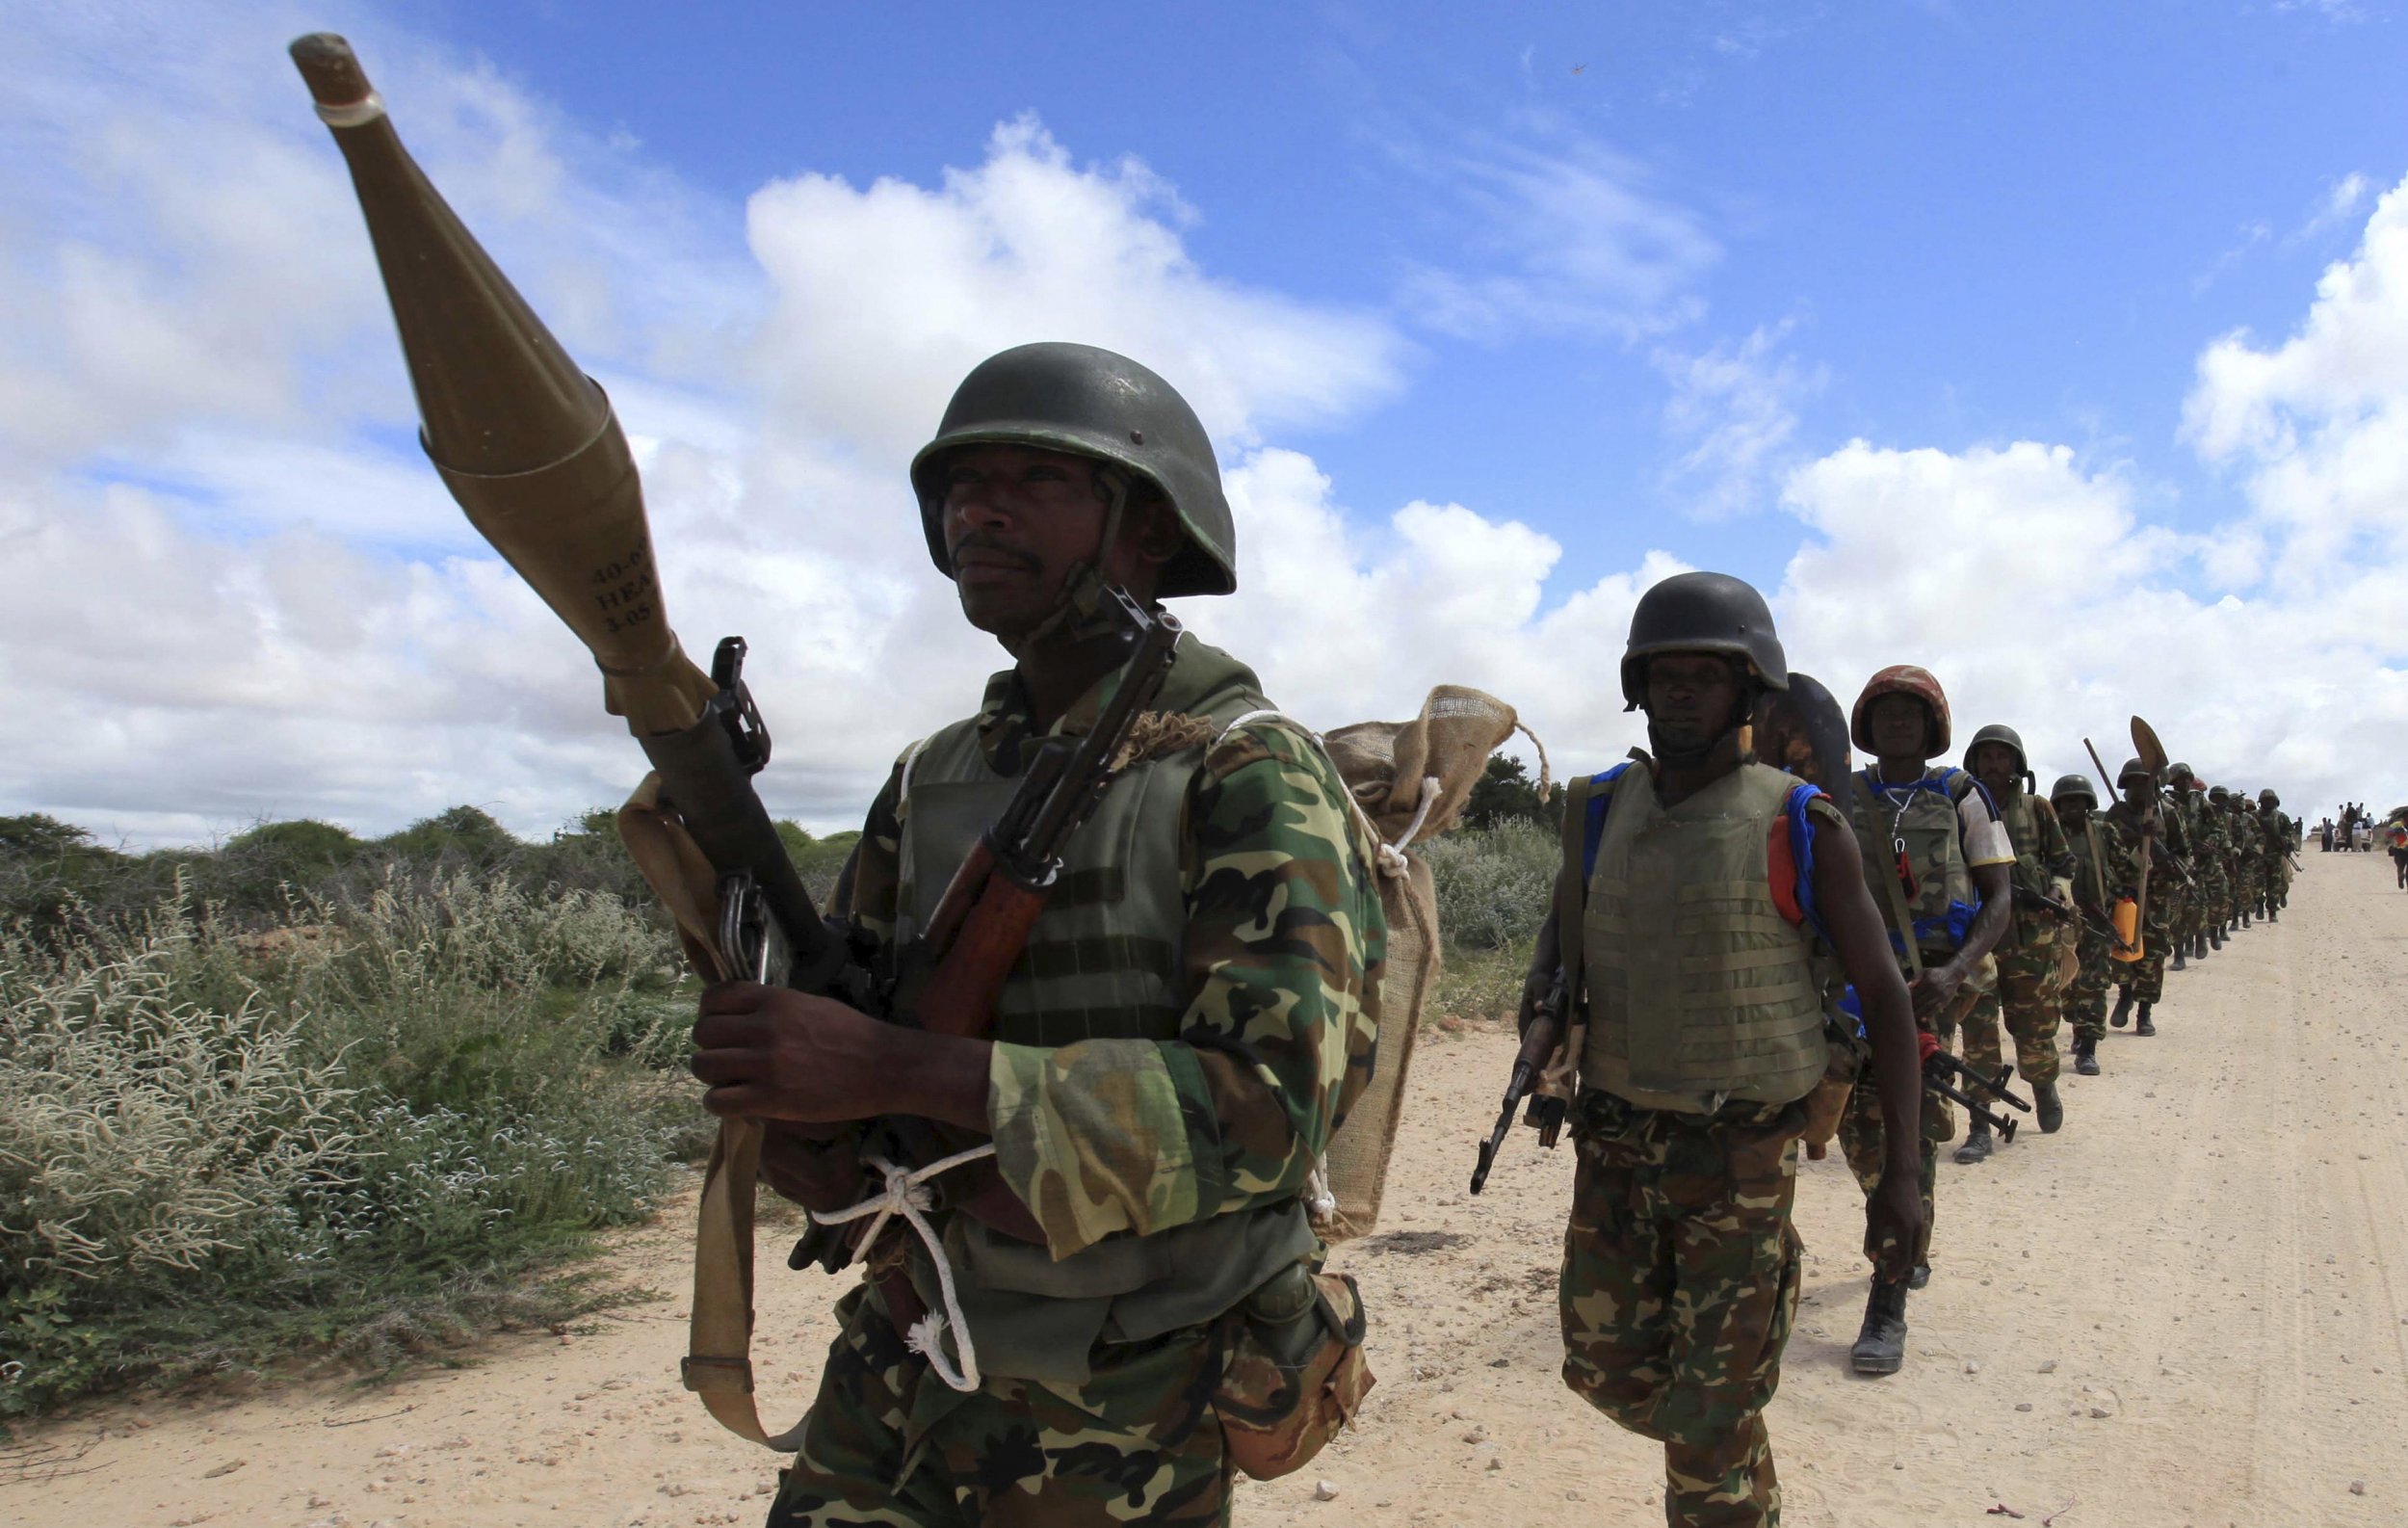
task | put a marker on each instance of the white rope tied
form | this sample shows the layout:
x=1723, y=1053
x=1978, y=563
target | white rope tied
x=1392, y=858
x=906, y=1194
x=1318, y=1197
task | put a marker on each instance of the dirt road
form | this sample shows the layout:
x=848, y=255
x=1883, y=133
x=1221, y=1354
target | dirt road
x=2190, y=1307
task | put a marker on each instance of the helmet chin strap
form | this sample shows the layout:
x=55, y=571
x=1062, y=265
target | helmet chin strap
x=1083, y=613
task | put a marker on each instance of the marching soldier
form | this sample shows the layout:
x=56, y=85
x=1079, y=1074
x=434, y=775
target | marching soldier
x=2217, y=823
x=2131, y=833
x=2185, y=806
x=2085, y=1005
x=2282, y=836
x=1703, y=948
x=1196, y=1009
x=1938, y=860
x=2030, y=993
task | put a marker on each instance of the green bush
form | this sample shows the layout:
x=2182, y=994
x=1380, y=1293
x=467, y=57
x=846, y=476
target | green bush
x=368, y=1127
x=1493, y=883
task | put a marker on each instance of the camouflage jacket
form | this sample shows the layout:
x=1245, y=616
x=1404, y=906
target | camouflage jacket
x=1283, y=948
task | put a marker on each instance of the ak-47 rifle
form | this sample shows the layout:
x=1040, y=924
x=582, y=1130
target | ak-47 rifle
x=1939, y=1067
x=1546, y=1113
x=531, y=451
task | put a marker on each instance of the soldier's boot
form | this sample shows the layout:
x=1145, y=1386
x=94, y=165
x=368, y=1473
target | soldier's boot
x=2199, y=946
x=1881, y=1344
x=2085, y=1055
x=2216, y=937
x=2047, y=1107
x=2181, y=961
x=2123, y=1008
x=2273, y=913
x=1920, y=1277
x=1976, y=1147
x=2144, y=1028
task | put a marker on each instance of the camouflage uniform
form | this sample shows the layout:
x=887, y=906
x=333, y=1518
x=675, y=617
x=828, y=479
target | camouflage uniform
x=1680, y=1286
x=2282, y=836
x=2086, y=1002
x=2119, y=828
x=2029, y=992
x=1110, y=1138
x=1860, y=1125
x=2212, y=862
x=2187, y=810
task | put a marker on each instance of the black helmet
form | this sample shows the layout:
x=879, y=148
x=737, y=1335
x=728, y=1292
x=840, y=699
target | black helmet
x=1999, y=732
x=2133, y=767
x=2180, y=771
x=2072, y=785
x=2268, y=798
x=1702, y=613
x=2217, y=793
x=1076, y=398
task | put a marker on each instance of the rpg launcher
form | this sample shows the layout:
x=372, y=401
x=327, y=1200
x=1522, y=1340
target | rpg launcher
x=530, y=448
x=1940, y=1067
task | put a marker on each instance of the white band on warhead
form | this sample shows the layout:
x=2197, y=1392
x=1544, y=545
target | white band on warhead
x=358, y=114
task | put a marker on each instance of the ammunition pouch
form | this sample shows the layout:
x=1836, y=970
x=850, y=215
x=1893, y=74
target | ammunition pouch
x=1293, y=1370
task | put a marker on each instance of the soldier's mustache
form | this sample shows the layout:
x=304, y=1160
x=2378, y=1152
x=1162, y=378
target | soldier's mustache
x=995, y=550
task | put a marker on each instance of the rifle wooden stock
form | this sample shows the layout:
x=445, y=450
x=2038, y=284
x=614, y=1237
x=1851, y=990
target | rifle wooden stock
x=959, y=995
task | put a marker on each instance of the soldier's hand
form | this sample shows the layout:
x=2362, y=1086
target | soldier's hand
x=803, y=1165
x=1893, y=1225
x=1932, y=990
x=773, y=1053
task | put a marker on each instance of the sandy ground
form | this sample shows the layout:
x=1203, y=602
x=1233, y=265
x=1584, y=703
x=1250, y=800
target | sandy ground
x=2190, y=1307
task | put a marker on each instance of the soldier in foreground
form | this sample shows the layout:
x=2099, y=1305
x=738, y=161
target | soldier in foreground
x=2190, y=912
x=1937, y=859
x=1690, y=921
x=1196, y=1009
x=2085, y=1004
x=2214, y=854
x=2029, y=994
x=2133, y=833
x=2282, y=836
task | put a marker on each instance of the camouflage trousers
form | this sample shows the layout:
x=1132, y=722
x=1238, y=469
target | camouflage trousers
x=2032, y=1001
x=1861, y=1135
x=889, y=1444
x=1680, y=1287
x=2086, y=1002
x=2215, y=898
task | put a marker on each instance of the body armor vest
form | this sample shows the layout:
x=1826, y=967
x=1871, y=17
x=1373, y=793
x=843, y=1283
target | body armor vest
x=1699, y=990
x=1923, y=817
x=1104, y=962
x=2028, y=925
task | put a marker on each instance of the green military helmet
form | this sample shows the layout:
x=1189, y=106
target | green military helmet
x=2268, y=798
x=2178, y=773
x=2217, y=793
x=2000, y=732
x=2073, y=787
x=1076, y=398
x=2134, y=769
x=1702, y=613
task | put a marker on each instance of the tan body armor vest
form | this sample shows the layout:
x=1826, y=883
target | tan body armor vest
x=2028, y=925
x=1925, y=818
x=1699, y=990
x=1104, y=962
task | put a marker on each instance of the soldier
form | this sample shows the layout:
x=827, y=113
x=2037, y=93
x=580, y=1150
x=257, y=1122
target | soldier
x=1937, y=859
x=2190, y=914
x=2131, y=831
x=2028, y=992
x=1196, y=1009
x=2213, y=862
x=2248, y=857
x=2282, y=836
x=2085, y=1005
x=1701, y=914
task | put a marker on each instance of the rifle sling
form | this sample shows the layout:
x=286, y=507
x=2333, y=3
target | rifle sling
x=718, y=1365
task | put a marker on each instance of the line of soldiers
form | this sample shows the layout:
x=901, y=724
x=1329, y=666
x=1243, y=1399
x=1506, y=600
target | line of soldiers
x=1739, y=952
x=2222, y=861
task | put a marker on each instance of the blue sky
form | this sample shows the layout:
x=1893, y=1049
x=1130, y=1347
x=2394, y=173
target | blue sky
x=2064, y=350
x=1977, y=222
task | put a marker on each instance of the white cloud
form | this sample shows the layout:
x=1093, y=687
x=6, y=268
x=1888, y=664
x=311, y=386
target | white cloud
x=238, y=595
x=1733, y=411
x=1560, y=233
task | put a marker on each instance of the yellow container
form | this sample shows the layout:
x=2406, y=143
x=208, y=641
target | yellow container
x=2127, y=930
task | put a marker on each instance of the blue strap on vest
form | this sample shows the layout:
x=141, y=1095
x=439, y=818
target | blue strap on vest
x=1600, y=797
x=1958, y=920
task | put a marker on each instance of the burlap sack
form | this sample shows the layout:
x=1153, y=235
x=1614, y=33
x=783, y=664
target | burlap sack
x=1411, y=780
